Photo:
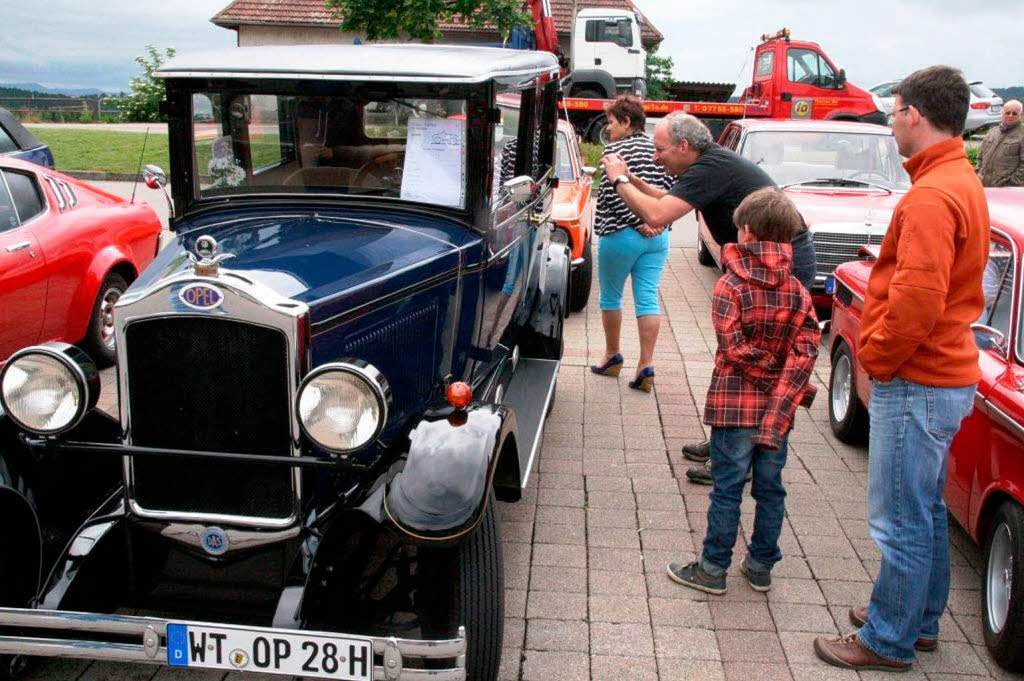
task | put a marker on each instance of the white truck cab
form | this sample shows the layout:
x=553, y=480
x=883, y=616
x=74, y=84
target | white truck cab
x=608, y=57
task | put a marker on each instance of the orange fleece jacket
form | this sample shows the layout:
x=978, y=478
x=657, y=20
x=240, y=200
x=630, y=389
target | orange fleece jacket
x=925, y=289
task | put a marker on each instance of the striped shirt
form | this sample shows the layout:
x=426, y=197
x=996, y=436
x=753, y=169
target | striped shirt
x=612, y=212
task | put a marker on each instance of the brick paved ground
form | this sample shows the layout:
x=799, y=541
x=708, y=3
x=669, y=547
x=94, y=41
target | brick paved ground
x=608, y=507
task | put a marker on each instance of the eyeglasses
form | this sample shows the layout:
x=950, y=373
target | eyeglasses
x=1011, y=113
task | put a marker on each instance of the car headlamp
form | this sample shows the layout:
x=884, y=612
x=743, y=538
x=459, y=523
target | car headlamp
x=47, y=389
x=342, y=406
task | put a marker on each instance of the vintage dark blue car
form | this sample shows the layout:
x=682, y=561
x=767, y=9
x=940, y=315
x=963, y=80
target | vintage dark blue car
x=344, y=358
x=18, y=142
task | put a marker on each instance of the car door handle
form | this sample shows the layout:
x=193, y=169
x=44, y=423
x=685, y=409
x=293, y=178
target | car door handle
x=633, y=50
x=18, y=246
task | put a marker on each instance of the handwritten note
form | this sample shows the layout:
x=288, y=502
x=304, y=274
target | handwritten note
x=435, y=162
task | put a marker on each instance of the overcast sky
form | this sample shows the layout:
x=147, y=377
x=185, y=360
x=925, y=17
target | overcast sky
x=70, y=43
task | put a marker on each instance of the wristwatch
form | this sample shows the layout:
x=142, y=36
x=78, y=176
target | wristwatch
x=619, y=180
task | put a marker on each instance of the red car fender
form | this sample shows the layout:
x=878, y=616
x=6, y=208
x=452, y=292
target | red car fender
x=1006, y=471
x=85, y=296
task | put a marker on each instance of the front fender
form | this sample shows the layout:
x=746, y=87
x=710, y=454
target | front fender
x=441, y=492
x=552, y=298
x=89, y=287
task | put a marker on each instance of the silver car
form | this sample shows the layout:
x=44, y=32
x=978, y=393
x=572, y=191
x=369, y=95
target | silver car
x=986, y=106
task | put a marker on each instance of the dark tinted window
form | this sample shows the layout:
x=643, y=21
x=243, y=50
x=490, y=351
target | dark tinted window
x=28, y=200
x=8, y=217
x=6, y=143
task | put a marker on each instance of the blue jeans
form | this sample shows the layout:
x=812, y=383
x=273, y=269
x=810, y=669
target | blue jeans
x=628, y=252
x=805, y=260
x=912, y=426
x=732, y=451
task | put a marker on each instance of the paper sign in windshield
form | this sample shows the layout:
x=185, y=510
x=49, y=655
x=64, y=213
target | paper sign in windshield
x=435, y=164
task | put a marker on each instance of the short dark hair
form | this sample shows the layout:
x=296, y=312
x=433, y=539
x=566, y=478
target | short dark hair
x=628, y=107
x=940, y=93
x=770, y=215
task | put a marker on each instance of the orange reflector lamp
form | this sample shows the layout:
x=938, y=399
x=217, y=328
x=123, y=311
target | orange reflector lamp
x=459, y=395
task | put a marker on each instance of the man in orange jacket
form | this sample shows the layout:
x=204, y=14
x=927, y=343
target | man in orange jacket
x=916, y=344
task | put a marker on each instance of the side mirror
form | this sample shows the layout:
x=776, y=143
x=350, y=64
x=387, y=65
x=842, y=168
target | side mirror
x=589, y=171
x=841, y=80
x=520, y=189
x=988, y=337
x=154, y=177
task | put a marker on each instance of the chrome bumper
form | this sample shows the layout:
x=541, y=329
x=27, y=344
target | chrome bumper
x=151, y=638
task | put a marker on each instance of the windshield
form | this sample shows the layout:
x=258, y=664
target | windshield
x=798, y=156
x=407, y=148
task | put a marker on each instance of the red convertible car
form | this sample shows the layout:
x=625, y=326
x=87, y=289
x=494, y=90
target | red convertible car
x=67, y=252
x=985, y=482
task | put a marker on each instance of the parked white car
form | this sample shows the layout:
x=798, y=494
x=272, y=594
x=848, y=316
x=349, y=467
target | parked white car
x=986, y=106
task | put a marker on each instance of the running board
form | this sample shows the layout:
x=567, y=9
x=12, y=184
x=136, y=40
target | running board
x=529, y=393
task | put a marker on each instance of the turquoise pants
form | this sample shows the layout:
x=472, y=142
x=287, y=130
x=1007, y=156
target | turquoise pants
x=627, y=252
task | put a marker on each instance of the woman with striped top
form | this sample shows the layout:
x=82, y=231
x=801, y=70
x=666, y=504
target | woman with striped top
x=627, y=246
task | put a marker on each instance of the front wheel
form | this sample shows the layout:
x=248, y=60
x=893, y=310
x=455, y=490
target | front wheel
x=703, y=254
x=582, y=279
x=99, y=338
x=846, y=415
x=1002, y=602
x=467, y=587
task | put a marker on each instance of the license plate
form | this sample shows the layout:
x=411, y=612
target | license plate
x=997, y=108
x=830, y=284
x=270, y=651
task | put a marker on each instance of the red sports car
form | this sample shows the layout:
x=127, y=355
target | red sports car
x=67, y=252
x=985, y=483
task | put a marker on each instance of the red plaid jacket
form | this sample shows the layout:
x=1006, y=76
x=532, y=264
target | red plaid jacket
x=767, y=342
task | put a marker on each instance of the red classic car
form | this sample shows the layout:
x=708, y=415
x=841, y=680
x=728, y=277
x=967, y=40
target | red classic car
x=573, y=213
x=845, y=177
x=985, y=482
x=67, y=252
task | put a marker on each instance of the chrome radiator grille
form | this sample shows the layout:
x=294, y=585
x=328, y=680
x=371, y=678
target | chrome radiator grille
x=834, y=248
x=207, y=384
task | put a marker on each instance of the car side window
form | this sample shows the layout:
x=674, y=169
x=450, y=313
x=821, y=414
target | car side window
x=28, y=199
x=563, y=165
x=805, y=67
x=7, y=145
x=8, y=215
x=765, y=62
x=619, y=32
x=997, y=284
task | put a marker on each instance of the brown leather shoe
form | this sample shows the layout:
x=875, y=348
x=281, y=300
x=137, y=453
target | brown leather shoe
x=848, y=652
x=859, y=617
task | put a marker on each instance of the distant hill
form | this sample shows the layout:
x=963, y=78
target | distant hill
x=1015, y=92
x=36, y=88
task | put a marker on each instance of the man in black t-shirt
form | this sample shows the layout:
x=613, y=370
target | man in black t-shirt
x=711, y=179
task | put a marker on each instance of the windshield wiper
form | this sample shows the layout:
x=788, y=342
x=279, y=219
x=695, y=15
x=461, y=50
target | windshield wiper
x=836, y=182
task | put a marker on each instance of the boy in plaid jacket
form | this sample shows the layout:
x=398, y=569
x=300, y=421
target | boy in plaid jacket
x=767, y=342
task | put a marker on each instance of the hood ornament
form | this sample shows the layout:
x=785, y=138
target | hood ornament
x=206, y=261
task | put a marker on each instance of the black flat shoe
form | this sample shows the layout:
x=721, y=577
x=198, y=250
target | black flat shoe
x=644, y=380
x=610, y=368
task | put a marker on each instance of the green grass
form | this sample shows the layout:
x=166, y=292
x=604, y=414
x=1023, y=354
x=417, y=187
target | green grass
x=592, y=157
x=104, y=150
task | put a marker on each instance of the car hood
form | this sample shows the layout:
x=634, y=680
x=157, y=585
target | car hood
x=831, y=208
x=331, y=263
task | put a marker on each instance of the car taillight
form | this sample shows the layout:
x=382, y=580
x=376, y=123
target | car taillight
x=980, y=105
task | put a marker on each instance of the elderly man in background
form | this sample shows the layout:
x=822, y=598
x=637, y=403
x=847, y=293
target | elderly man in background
x=1001, y=160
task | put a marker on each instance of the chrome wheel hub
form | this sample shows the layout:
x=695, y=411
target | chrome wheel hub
x=999, y=580
x=842, y=387
x=110, y=298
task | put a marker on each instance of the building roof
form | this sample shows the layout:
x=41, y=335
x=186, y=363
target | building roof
x=404, y=62
x=314, y=13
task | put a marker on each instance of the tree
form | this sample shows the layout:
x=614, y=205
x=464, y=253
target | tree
x=659, y=75
x=419, y=19
x=147, y=91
